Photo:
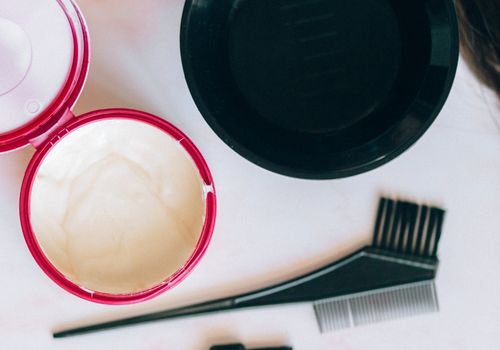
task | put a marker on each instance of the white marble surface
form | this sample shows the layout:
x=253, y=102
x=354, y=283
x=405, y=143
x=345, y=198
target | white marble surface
x=270, y=227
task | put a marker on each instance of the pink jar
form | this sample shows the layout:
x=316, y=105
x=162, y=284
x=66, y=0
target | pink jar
x=46, y=119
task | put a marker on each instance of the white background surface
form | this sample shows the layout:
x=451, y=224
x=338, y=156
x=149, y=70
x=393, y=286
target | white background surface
x=270, y=227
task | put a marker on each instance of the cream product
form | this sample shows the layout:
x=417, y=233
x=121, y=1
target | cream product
x=117, y=206
x=121, y=214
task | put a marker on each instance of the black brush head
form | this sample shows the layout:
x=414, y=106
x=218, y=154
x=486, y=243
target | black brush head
x=408, y=228
x=228, y=347
x=241, y=347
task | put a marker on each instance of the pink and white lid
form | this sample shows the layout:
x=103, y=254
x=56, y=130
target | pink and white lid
x=44, y=60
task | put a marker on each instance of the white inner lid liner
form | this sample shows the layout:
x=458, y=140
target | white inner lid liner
x=36, y=53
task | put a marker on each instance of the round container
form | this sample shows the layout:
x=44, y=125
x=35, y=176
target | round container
x=319, y=89
x=46, y=119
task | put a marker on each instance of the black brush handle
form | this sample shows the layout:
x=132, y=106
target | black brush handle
x=267, y=296
x=197, y=309
x=228, y=347
x=241, y=347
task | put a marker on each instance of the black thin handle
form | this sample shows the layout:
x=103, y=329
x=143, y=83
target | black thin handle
x=198, y=309
x=241, y=347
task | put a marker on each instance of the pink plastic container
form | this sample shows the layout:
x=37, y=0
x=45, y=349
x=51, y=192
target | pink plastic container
x=56, y=120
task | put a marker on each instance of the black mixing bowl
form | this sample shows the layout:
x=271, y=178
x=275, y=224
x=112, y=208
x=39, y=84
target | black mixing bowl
x=319, y=89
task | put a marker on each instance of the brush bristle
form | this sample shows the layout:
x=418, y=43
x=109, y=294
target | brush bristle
x=376, y=306
x=408, y=228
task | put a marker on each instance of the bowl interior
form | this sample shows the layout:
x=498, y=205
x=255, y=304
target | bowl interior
x=319, y=89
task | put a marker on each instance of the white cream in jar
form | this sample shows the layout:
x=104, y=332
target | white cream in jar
x=117, y=206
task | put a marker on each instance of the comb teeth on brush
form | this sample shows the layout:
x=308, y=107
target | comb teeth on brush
x=390, y=279
x=376, y=306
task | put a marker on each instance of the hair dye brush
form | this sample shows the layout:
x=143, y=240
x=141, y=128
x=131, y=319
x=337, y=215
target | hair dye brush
x=241, y=347
x=392, y=278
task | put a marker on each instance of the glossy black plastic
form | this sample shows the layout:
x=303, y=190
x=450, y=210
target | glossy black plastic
x=241, y=347
x=319, y=89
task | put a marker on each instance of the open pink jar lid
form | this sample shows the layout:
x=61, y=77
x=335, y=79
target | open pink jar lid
x=44, y=61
